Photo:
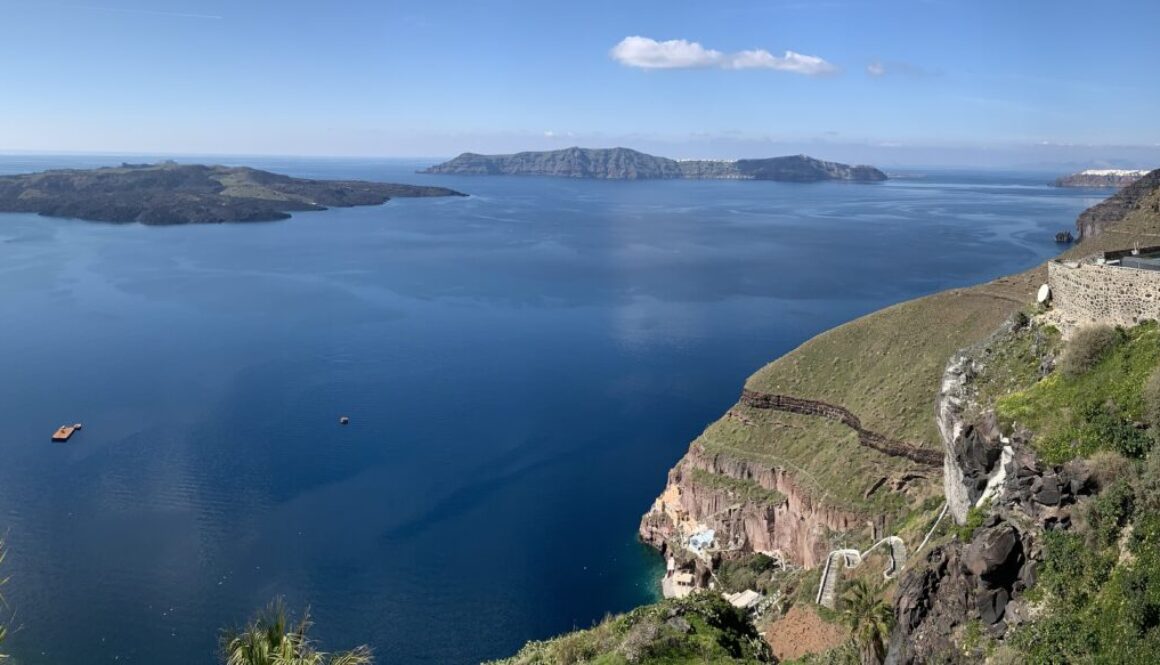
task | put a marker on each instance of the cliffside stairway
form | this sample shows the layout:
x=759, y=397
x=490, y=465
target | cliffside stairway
x=847, y=558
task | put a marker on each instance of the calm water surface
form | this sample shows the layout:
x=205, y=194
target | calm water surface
x=521, y=368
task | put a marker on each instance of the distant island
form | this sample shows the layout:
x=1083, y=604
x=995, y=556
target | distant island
x=627, y=164
x=171, y=193
x=1101, y=178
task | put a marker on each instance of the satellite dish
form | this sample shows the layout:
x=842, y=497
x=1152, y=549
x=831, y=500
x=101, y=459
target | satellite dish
x=1044, y=294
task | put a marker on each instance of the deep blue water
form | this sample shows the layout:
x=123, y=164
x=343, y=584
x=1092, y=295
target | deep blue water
x=521, y=368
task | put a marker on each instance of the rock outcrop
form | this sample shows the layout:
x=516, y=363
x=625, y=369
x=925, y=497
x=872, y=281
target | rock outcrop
x=983, y=580
x=627, y=164
x=971, y=450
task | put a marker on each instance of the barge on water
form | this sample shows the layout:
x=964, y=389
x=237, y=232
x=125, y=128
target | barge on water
x=65, y=432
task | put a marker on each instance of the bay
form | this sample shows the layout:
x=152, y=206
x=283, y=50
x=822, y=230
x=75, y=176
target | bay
x=520, y=367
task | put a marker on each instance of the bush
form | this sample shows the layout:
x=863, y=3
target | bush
x=975, y=517
x=752, y=572
x=1151, y=398
x=1087, y=346
x=1110, y=511
x=1108, y=466
x=1148, y=491
x=1104, y=426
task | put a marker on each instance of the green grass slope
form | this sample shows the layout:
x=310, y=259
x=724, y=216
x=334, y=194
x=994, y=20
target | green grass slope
x=701, y=628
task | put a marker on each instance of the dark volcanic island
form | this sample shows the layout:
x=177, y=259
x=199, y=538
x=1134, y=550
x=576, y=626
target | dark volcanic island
x=170, y=193
x=626, y=164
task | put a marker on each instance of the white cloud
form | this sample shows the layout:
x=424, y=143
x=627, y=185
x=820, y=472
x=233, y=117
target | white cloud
x=646, y=53
x=876, y=69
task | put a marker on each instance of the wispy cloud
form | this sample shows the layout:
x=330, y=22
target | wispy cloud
x=131, y=10
x=646, y=53
x=878, y=69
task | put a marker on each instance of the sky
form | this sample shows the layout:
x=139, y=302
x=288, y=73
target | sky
x=997, y=83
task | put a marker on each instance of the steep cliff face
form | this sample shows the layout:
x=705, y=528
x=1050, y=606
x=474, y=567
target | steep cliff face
x=1141, y=193
x=972, y=449
x=782, y=519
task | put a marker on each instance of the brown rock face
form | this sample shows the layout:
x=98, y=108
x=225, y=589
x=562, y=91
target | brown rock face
x=796, y=526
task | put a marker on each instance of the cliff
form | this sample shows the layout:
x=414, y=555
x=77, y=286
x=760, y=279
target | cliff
x=1100, y=178
x=626, y=164
x=1139, y=197
x=170, y=193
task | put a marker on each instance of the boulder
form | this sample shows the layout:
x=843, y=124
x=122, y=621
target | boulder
x=991, y=605
x=1048, y=492
x=994, y=556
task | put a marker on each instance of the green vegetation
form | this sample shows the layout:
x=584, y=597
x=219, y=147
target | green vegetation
x=757, y=571
x=1014, y=360
x=1097, y=409
x=869, y=618
x=1101, y=584
x=270, y=639
x=1150, y=397
x=886, y=368
x=846, y=654
x=746, y=490
x=701, y=628
x=1087, y=347
x=838, y=472
x=975, y=517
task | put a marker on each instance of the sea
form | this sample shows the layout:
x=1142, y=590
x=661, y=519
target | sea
x=520, y=368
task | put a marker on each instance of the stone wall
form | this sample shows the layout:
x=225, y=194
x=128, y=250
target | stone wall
x=1084, y=293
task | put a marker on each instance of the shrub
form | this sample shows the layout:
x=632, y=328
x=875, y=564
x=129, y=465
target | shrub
x=1148, y=492
x=1104, y=426
x=1108, y=466
x=1110, y=511
x=975, y=517
x=1087, y=346
x=1151, y=398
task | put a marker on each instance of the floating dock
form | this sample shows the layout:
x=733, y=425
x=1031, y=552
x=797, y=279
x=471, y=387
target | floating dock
x=65, y=432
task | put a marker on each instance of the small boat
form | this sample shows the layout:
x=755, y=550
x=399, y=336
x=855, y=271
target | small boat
x=344, y=420
x=64, y=432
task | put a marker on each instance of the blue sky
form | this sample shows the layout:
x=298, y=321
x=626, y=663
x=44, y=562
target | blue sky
x=969, y=80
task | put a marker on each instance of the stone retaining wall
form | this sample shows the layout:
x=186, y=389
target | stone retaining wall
x=1084, y=293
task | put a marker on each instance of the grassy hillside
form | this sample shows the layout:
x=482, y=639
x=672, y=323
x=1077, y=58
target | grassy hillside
x=885, y=367
x=701, y=628
x=1076, y=416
